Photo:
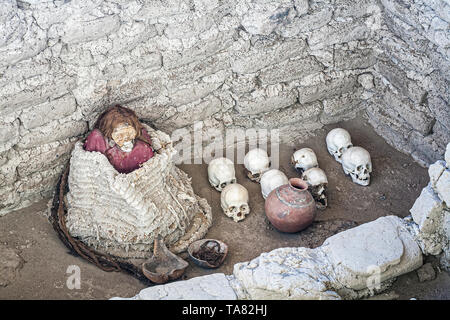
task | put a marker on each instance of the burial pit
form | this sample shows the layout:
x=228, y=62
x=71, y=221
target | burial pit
x=288, y=71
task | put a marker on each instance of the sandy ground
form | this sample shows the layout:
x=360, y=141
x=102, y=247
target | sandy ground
x=396, y=183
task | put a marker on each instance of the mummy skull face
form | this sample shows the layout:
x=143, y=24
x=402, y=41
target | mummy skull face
x=304, y=159
x=338, y=141
x=221, y=173
x=317, y=185
x=272, y=179
x=257, y=162
x=124, y=135
x=356, y=162
x=234, y=201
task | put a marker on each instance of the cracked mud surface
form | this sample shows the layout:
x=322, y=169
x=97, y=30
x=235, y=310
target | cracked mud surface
x=396, y=183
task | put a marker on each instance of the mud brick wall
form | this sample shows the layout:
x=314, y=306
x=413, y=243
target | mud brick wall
x=411, y=109
x=289, y=64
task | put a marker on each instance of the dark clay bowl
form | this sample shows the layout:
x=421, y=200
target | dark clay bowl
x=196, y=246
x=163, y=266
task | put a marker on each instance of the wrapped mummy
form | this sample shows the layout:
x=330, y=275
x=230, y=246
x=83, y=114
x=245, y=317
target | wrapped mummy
x=122, y=214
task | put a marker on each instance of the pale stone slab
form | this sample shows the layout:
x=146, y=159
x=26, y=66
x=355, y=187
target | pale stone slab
x=443, y=187
x=447, y=155
x=9, y=135
x=426, y=206
x=344, y=267
x=287, y=273
x=445, y=259
x=209, y=287
x=45, y=112
x=371, y=244
x=382, y=248
x=435, y=171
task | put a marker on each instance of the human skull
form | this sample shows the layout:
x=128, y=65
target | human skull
x=234, y=201
x=338, y=140
x=221, y=173
x=272, y=179
x=356, y=162
x=124, y=135
x=256, y=161
x=317, y=185
x=304, y=159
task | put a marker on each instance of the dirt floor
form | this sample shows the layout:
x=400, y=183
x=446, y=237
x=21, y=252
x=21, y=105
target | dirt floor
x=396, y=183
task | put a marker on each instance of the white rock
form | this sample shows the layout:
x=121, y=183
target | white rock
x=383, y=245
x=366, y=80
x=119, y=298
x=45, y=112
x=427, y=207
x=429, y=214
x=9, y=135
x=443, y=187
x=341, y=268
x=286, y=273
x=435, y=171
x=447, y=155
x=301, y=6
x=264, y=17
x=209, y=287
x=445, y=259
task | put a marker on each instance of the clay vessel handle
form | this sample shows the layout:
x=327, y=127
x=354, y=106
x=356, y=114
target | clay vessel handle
x=157, y=246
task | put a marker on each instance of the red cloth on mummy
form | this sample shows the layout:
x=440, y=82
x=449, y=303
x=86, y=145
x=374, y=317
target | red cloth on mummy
x=123, y=162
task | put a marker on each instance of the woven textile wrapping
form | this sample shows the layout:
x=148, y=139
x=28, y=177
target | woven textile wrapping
x=121, y=214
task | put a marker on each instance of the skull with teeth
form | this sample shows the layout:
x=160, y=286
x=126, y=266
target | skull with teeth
x=271, y=180
x=257, y=162
x=304, y=159
x=338, y=141
x=234, y=201
x=124, y=135
x=221, y=173
x=317, y=185
x=356, y=162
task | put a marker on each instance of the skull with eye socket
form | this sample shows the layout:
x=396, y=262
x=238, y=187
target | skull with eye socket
x=356, y=162
x=221, y=173
x=304, y=159
x=234, y=202
x=338, y=141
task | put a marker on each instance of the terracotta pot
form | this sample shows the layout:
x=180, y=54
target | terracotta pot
x=290, y=207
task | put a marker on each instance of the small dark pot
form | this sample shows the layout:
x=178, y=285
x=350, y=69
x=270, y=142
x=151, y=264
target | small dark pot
x=194, y=247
